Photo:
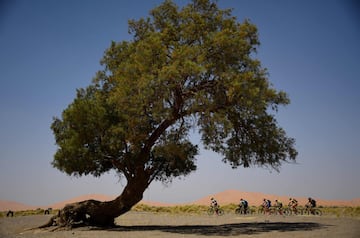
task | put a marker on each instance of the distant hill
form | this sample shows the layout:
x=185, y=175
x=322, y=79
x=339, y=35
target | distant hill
x=225, y=197
x=99, y=197
x=14, y=206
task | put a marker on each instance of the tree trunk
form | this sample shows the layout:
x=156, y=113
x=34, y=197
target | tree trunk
x=97, y=213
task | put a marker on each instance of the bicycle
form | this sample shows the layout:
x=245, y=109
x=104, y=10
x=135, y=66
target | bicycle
x=287, y=211
x=293, y=210
x=218, y=211
x=312, y=211
x=242, y=210
x=262, y=210
x=278, y=211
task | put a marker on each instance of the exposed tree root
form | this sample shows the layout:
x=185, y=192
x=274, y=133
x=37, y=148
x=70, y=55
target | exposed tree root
x=85, y=213
x=97, y=213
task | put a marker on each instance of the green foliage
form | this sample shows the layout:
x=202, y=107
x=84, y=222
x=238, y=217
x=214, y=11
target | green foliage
x=181, y=209
x=30, y=212
x=186, y=69
x=230, y=209
x=342, y=211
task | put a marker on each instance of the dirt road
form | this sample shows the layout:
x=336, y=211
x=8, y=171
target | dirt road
x=139, y=224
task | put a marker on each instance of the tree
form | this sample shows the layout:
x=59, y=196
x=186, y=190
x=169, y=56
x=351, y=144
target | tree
x=190, y=68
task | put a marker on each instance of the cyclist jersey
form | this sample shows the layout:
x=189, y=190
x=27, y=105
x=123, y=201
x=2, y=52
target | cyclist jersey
x=243, y=203
x=214, y=203
x=293, y=202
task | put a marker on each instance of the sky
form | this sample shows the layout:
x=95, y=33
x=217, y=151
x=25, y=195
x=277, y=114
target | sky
x=49, y=48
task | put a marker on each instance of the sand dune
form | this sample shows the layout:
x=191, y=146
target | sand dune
x=14, y=206
x=225, y=197
x=99, y=197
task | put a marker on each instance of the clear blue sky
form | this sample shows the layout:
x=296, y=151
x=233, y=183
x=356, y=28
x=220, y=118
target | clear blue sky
x=311, y=49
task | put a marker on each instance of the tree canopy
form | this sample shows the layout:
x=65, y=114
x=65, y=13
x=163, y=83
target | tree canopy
x=185, y=69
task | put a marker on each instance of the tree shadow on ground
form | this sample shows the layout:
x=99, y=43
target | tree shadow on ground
x=226, y=229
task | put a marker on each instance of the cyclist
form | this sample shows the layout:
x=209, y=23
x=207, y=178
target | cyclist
x=293, y=203
x=278, y=205
x=266, y=204
x=243, y=205
x=214, y=204
x=310, y=204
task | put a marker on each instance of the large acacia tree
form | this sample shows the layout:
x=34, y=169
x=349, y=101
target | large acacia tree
x=186, y=69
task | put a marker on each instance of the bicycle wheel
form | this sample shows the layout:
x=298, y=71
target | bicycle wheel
x=287, y=211
x=272, y=211
x=317, y=212
x=220, y=212
x=238, y=210
x=210, y=211
x=296, y=211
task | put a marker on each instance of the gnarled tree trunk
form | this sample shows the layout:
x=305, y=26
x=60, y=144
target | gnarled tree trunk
x=97, y=213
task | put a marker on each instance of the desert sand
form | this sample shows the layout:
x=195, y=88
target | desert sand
x=143, y=224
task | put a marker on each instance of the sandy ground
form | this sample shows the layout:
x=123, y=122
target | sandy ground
x=141, y=224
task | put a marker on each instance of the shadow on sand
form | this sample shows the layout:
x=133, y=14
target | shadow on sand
x=226, y=229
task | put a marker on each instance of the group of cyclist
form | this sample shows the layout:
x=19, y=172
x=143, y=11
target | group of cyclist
x=293, y=204
x=266, y=204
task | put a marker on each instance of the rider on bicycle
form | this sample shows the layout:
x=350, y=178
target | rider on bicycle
x=243, y=205
x=278, y=205
x=266, y=204
x=293, y=203
x=214, y=204
x=311, y=204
